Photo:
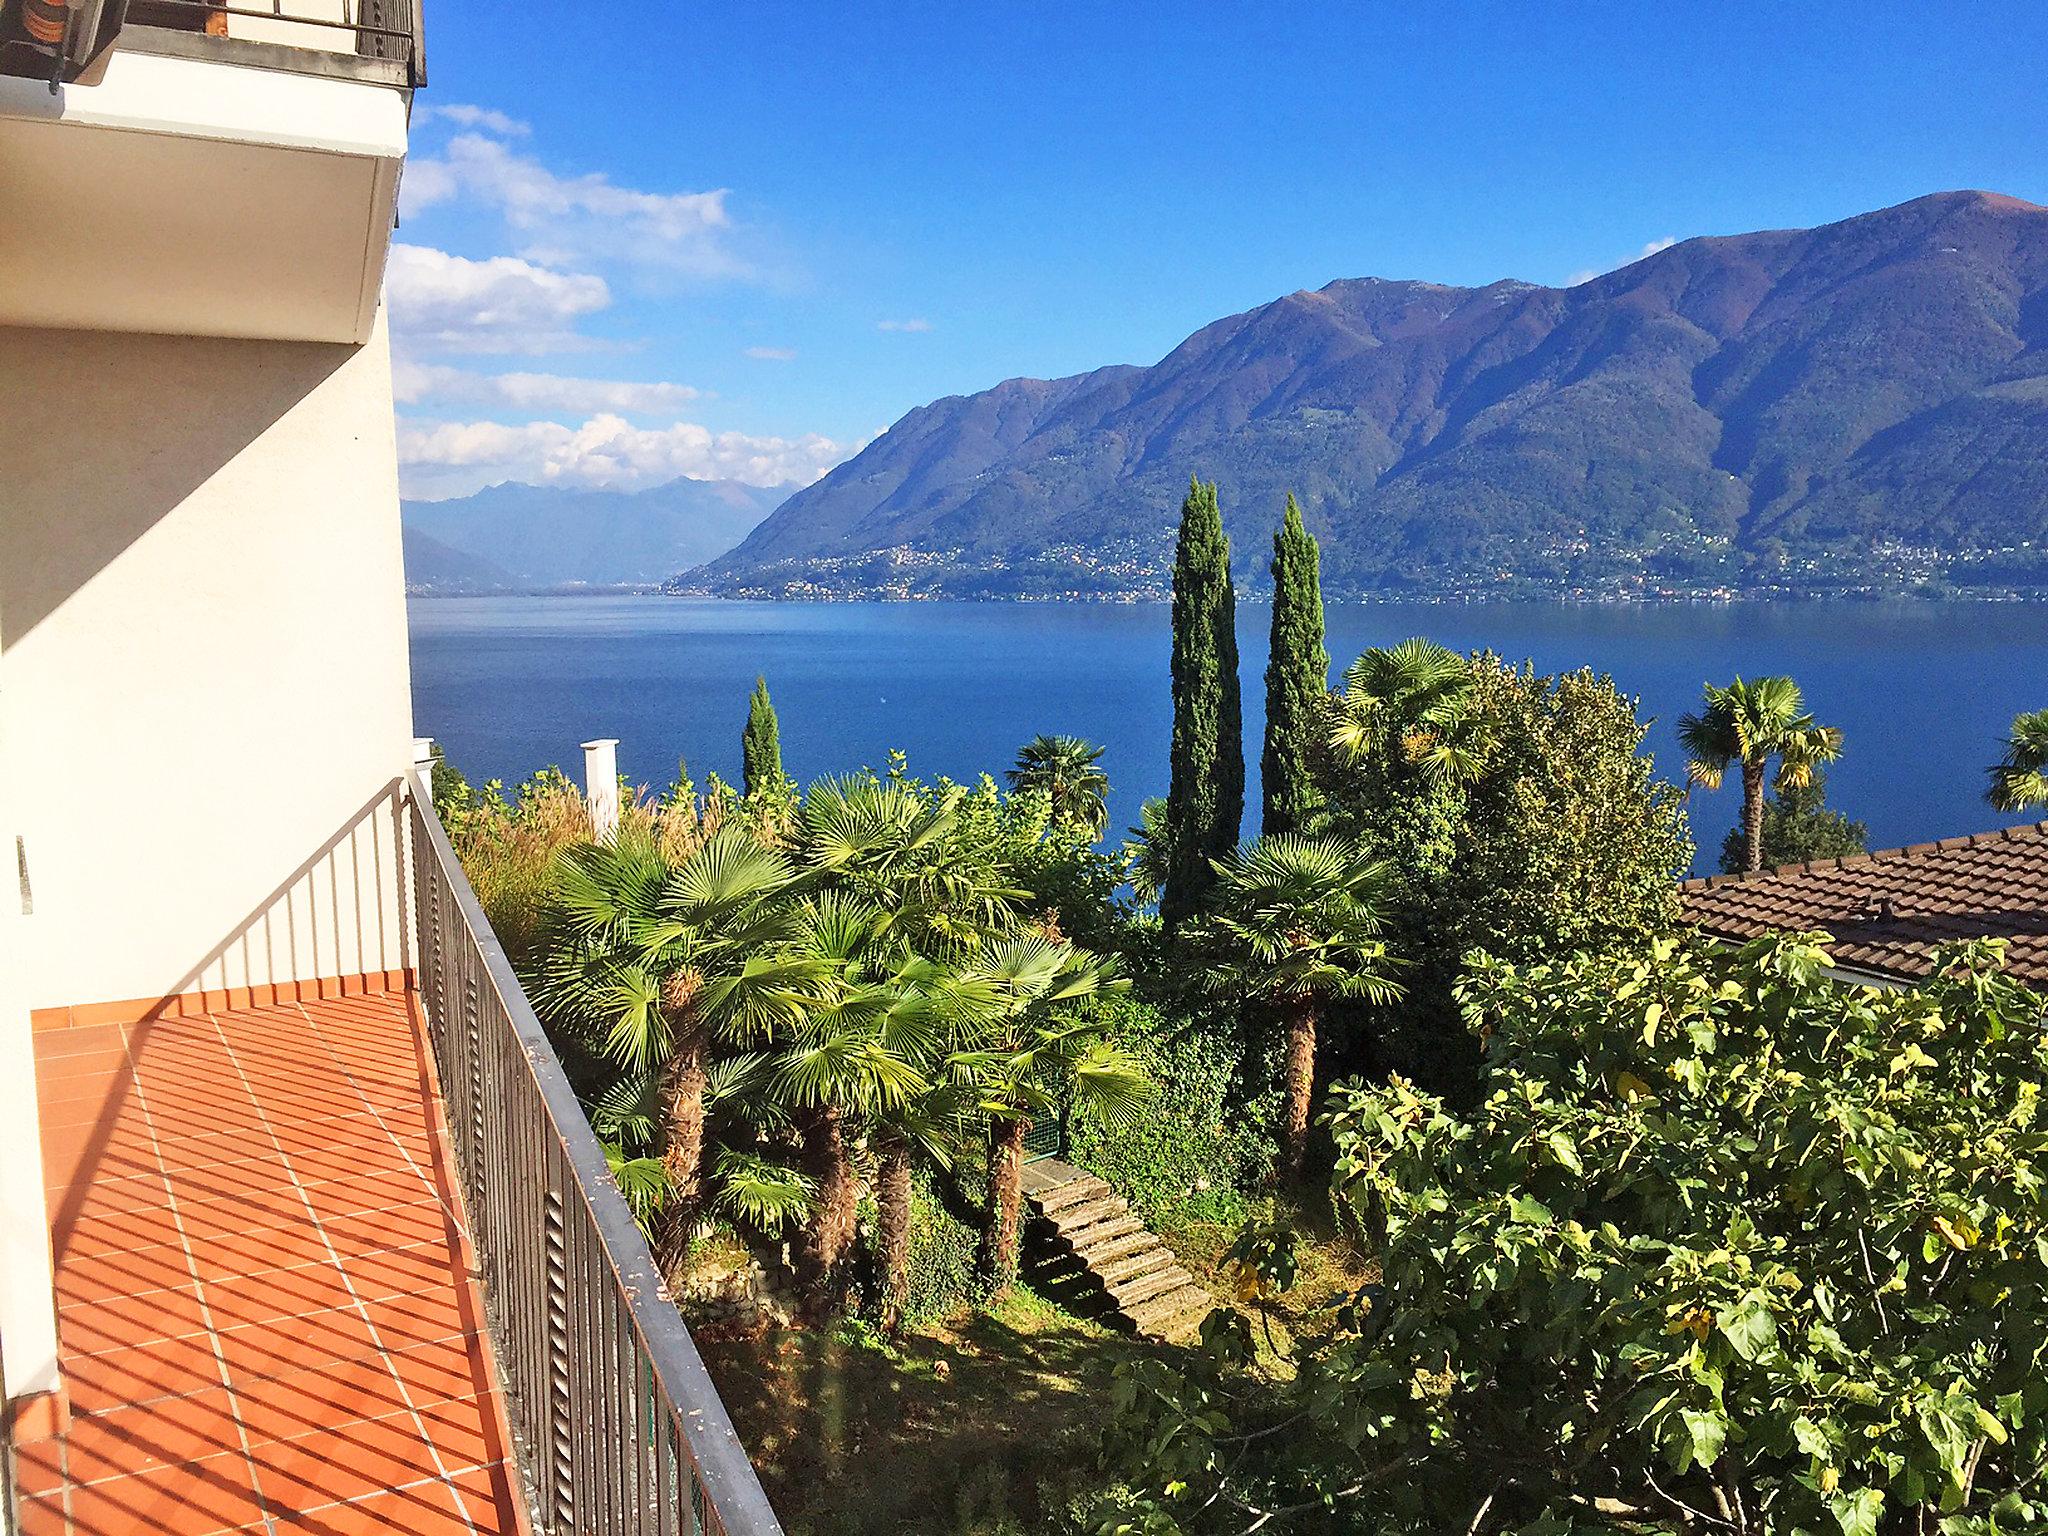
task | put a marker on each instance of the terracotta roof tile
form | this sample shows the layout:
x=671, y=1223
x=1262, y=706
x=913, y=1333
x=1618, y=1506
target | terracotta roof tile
x=1888, y=910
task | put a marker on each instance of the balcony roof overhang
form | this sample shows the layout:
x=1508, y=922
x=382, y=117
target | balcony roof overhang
x=199, y=196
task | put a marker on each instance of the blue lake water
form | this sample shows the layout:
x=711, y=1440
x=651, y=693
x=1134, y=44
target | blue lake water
x=1924, y=691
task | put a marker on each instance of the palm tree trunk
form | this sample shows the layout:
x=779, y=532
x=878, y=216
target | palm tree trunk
x=892, y=1221
x=1301, y=1085
x=1005, y=1199
x=1753, y=815
x=829, y=1237
x=682, y=1146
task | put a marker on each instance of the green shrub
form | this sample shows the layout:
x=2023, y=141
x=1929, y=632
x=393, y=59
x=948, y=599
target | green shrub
x=942, y=1256
x=1200, y=1145
x=1726, y=1246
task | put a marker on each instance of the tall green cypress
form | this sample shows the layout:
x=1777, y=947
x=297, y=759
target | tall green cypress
x=1297, y=676
x=761, y=745
x=1205, y=800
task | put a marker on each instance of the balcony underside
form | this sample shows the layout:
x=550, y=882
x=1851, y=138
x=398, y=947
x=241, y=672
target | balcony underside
x=195, y=196
x=266, y=1316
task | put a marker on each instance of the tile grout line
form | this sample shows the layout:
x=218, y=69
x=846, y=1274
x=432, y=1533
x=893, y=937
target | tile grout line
x=220, y=1360
x=348, y=1280
x=377, y=1114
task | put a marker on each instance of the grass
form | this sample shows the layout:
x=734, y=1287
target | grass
x=979, y=1425
x=984, y=1424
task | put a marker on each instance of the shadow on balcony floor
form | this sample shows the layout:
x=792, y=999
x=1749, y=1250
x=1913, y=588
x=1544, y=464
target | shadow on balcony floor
x=265, y=1314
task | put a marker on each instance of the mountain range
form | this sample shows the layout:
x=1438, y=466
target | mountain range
x=527, y=537
x=1860, y=406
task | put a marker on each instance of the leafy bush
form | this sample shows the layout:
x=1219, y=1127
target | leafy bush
x=1552, y=836
x=1728, y=1246
x=943, y=1250
x=1200, y=1145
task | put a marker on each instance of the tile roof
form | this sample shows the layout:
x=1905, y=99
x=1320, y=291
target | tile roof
x=1888, y=910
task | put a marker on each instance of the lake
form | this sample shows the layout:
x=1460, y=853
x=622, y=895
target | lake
x=1924, y=691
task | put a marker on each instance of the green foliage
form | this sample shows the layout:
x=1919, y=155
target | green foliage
x=1068, y=772
x=1520, y=815
x=943, y=1249
x=1297, y=677
x=1798, y=825
x=2019, y=779
x=1727, y=1246
x=1205, y=795
x=760, y=743
x=1202, y=1142
x=1746, y=725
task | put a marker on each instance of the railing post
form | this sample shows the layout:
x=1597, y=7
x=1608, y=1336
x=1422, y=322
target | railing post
x=601, y=786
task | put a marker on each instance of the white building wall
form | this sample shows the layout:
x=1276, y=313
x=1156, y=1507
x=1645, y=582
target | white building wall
x=206, y=684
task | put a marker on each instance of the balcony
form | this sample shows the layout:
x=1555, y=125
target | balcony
x=356, y=1264
x=223, y=170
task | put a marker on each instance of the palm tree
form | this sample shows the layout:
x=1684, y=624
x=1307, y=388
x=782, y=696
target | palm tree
x=1298, y=920
x=650, y=962
x=1750, y=723
x=1148, y=852
x=1413, y=708
x=1065, y=769
x=2019, y=780
x=1027, y=1051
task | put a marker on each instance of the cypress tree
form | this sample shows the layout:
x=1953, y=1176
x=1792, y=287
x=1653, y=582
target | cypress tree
x=761, y=745
x=1205, y=801
x=1297, y=676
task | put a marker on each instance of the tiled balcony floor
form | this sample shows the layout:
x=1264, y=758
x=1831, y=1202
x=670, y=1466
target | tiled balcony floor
x=265, y=1314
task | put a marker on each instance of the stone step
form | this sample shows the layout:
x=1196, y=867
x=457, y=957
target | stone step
x=1078, y=1218
x=1090, y=1243
x=1074, y=1192
x=1110, y=1250
x=1133, y=1294
x=1170, y=1308
x=1140, y=1260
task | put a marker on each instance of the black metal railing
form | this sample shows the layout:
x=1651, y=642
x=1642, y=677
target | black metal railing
x=620, y=1429
x=378, y=29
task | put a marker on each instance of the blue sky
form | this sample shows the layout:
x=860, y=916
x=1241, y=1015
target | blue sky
x=642, y=240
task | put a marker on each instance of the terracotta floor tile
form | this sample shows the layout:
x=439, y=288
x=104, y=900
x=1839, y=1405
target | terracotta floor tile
x=223, y=1150
x=244, y=1255
x=353, y=1461
x=44, y=1516
x=166, y=1433
x=490, y=1495
x=195, y=1498
x=401, y=1272
x=279, y=1293
x=426, y=1509
x=464, y=1431
x=296, y=1343
x=406, y=1226
x=437, y=1373
x=340, y=1392
x=119, y=1321
x=423, y=1318
x=53, y=1043
x=122, y=1377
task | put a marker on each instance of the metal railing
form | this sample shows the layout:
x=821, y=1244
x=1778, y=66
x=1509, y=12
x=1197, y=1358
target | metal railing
x=379, y=29
x=620, y=1429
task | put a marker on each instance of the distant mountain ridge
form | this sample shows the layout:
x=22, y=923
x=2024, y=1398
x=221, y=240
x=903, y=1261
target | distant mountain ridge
x=1860, y=405
x=534, y=536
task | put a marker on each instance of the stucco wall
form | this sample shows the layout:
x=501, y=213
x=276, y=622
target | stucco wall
x=202, y=661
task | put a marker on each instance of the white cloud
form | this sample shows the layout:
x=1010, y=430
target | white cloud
x=499, y=305
x=463, y=115
x=903, y=325
x=1650, y=248
x=772, y=354
x=413, y=382
x=453, y=458
x=559, y=221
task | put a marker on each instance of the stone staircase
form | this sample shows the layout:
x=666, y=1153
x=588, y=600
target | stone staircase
x=1086, y=1245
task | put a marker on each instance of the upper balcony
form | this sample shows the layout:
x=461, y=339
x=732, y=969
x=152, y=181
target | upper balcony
x=204, y=169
